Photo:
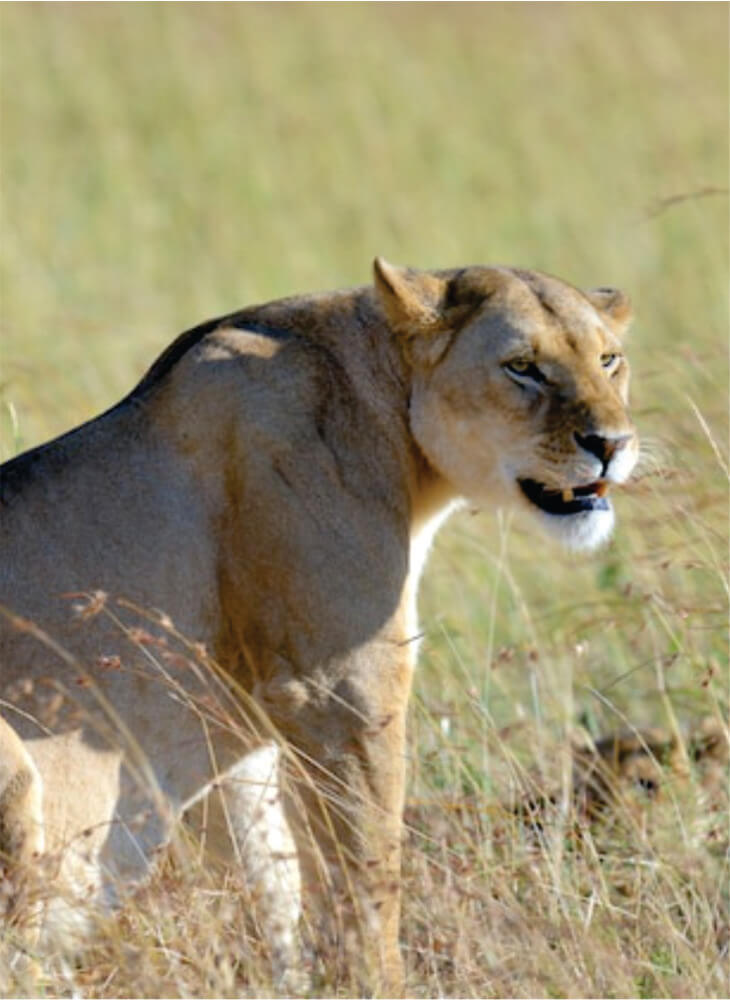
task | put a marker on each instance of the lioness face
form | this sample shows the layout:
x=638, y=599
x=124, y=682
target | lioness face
x=520, y=395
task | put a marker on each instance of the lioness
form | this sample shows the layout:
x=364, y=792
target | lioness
x=273, y=485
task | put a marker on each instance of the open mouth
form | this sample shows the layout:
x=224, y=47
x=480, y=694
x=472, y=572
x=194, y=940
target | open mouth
x=572, y=500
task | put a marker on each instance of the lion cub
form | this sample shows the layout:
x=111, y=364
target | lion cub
x=269, y=492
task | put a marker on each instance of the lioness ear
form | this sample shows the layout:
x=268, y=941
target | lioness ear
x=614, y=304
x=413, y=304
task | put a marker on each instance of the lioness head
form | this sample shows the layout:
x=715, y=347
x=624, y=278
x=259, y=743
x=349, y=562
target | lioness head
x=520, y=389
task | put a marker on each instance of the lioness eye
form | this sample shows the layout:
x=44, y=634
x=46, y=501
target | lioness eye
x=524, y=369
x=609, y=360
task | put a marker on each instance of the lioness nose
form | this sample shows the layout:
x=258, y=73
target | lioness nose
x=604, y=448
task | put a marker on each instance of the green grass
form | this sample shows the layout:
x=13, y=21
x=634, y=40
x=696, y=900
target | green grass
x=165, y=163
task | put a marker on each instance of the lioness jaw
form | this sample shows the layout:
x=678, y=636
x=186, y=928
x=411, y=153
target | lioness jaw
x=272, y=485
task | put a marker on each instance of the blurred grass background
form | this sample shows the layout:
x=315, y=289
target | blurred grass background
x=163, y=163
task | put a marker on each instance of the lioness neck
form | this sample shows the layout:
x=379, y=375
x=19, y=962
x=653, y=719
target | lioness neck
x=352, y=326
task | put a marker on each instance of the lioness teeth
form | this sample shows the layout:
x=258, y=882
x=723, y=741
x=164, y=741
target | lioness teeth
x=567, y=496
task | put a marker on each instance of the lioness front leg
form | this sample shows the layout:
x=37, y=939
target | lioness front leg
x=256, y=820
x=346, y=815
x=22, y=835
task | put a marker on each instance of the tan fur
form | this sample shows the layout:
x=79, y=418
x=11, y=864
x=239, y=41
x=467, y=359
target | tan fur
x=22, y=837
x=21, y=807
x=273, y=485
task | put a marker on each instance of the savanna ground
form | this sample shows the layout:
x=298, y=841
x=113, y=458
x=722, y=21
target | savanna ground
x=165, y=163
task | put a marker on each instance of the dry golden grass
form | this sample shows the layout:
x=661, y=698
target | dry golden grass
x=164, y=163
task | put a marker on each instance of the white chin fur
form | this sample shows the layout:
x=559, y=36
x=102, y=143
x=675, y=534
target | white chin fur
x=583, y=531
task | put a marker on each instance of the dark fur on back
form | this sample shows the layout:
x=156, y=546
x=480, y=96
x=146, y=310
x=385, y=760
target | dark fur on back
x=244, y=319
x=19, y=470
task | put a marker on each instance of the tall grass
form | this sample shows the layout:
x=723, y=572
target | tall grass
x=165, y=163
